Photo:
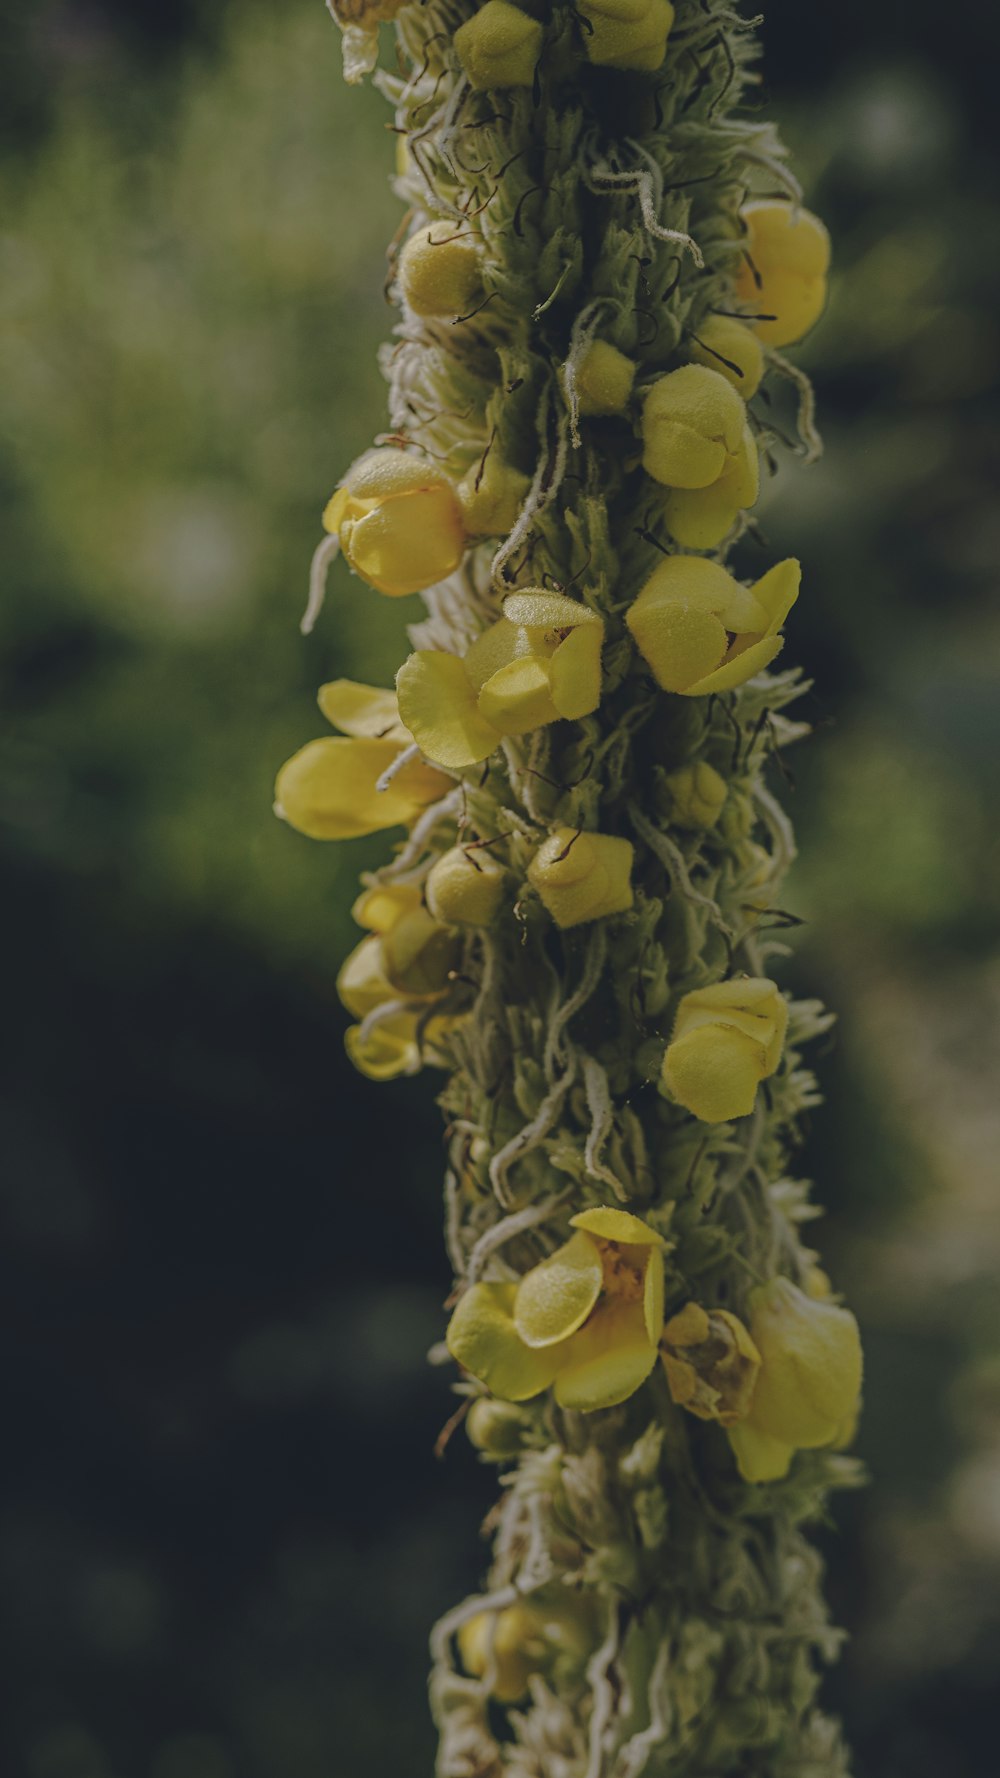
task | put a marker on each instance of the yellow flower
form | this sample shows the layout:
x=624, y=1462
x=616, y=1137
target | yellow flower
x=466, y=887
x=398, y=522
x=390, y=1046
x=540, y=662
x=701, y=631
x=809, y=1385
x=587, y=1319
x=726, y=1040
x=726, y=345
x=439, y=268
x=582, y=876
x=711, y=1363
x=492, y=494
x=499, y=46
x=523, y=1639
x=604, y=380
x=697, y=795
x=328, y=789
x=627, y=34
x=784, y=268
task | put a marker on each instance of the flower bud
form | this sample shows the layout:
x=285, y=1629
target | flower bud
x=626, y=34
x=711, y=1363
x=604, y=380
x=697, y=443
x=810, y=1379
x=726, y=1040
x=496, y=1428
x=499, y=46
x=697, y=795
x=701, y=631
x=328, y=789
x=692, y=422
x=782, y=275
x=398, y=522
x=582, y=876
x=466, y=887
x=438, y=271
x=418, y=954
x=727, y=346
x=523, y=1639
x=491, y=495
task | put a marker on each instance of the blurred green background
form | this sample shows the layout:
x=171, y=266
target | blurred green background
x=223, y=1533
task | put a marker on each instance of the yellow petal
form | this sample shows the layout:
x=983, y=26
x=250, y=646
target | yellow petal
x=679, y=457
x=810, y=1378
x=482, y=1337
x=692, y=420
x=652, y=1296
x=383, y=904
x=555, y=1297
x=438, y=705
x=606, y=1361
x=714, y=1072
x=738, y=669
x=678, y=641
x=758, y=1457
x=575, y=672
x=327, y=789
x=361, y=981
x=389, y=1050
x=362, y=710
x=407, y=543
x=610, y=1224
x=518, y=698
x=498, y=645
x=777, y=592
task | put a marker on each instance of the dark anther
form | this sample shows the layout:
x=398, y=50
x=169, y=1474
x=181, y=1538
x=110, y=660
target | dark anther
x=567, y=849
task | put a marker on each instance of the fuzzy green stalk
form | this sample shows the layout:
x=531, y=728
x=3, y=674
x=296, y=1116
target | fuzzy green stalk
x=648, y=1609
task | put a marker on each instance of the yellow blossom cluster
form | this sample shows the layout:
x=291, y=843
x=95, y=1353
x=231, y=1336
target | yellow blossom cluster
x=587, y=1320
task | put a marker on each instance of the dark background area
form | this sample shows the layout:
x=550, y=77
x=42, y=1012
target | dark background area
x=223, y=1532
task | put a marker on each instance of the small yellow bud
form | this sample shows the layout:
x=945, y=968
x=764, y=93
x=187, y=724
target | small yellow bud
x=811, y=1364
x=701, y=631
x=604, y=380
x=697, y=443
x=726, y=1040
x=499, y=46
x=692, y=421
x=418, y=954
x=726, y=345
x=398, y=522
x=711, y=1363
x=328, y=789
x=626, y=34
x=439, y=270
x=582, y=876
x=492, y=494
x=466, y=887
x=495, y=1427
x=783, y=273
x=697, y=795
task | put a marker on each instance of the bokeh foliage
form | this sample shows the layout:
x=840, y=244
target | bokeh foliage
x=224, y=1533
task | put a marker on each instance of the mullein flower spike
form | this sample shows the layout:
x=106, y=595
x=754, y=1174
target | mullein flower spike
x=575, y=916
